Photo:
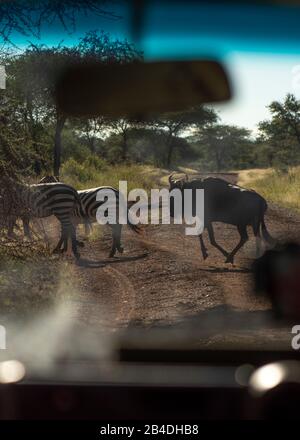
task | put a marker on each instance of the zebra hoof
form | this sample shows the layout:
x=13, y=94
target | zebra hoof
x=80, y=244
x=112, y=254
x=229, y=259
x=205, y=256
x=121, y=249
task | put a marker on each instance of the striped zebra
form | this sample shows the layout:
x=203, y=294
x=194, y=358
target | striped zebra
x=90, y=206
x=88, y=214
x=43, y=200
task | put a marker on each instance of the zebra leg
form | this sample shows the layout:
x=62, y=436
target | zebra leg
x=65, y=224
x=118, y=231
x=63, y=240
x=11, y=225
x=26, y=228
x=74, y=242
x=75, y=224
x=80, y=243
x=212, y=239
x=66, y=241
x=57, y=249
x=114, y=241
x=244, y=237
x=88, y=228
x=203, y=248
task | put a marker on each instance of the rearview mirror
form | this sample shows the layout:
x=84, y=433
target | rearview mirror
x=138, y=89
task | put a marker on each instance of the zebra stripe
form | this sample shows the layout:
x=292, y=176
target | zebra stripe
x=88, y=212
x=46, y=199
x=90, y=204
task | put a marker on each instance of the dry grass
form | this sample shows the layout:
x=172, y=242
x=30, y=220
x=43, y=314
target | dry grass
x=246, y=177
x=28, y=287
x=277, y=187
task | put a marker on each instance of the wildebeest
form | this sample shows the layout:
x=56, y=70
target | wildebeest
x=230, y=204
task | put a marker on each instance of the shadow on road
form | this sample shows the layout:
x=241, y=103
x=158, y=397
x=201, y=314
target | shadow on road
x=94, y=264
x=231, y=269
x=217, y=320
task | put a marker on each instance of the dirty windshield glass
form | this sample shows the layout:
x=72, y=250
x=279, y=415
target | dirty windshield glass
x=71, y=284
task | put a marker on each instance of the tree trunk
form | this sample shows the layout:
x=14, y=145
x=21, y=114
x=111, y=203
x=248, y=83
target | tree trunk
x=92, y=141
x=218, y=159
x=31, y=124
x=170, y=150
x=60, y=122
x=124, y=146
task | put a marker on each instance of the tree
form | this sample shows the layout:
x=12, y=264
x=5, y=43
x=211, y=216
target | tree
x=281, y=134
x=285, y=118
x=35, y=73
x=27, y=17
x=226, y=146
x=122, y=127
x=174, y=124
x=90, y=129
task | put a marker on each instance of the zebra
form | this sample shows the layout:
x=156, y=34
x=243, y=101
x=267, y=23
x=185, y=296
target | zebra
x=88, y=214
x=43, y=200
x=229, y=204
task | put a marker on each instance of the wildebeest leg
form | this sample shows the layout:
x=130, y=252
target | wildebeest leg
x=213, y=240
x=244, y=237
x=258, y=238
x=203, y=248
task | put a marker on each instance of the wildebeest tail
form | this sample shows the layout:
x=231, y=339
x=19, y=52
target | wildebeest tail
x=266, y=235
x=264, y=231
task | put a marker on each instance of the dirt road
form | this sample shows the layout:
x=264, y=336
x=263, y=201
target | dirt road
x=162, y=280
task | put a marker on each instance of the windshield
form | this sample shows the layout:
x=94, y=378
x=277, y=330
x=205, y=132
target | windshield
x=153, y=280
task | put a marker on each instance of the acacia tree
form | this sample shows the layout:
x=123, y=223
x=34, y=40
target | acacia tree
x=285, y=121
x=35, y=73
x=174, y=124
x=90, y=130
x=281, y=134
x=226, y=145
x=122, y=128
x=27, y=17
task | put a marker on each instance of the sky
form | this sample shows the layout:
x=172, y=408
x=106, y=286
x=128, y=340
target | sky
x=263, y=65
x=258, y=79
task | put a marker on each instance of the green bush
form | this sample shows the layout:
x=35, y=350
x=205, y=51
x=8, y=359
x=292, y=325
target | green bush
x=94, y=171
